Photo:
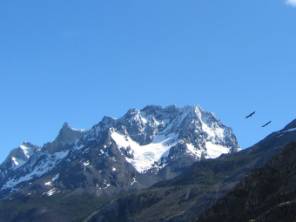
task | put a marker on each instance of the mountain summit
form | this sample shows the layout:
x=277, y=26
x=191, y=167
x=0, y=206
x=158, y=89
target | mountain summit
x=142, y=147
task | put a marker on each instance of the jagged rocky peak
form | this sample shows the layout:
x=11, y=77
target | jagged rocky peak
x=20, y=155
x=67, y=136
x=190, y=122
x=107, y=121
x=156, y=136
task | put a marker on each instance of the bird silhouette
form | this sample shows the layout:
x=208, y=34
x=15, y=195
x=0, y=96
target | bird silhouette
x=266, y=124
x=250, y=115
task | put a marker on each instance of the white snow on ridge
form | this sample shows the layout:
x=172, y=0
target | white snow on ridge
x=17, y=162
x=26, y=150
x=193, y=151
x=214, y=150
x=290, y=130
x=55, y=177
x=212, y=132
x=51, y=192
x=86, y=163
x=283, y=132
x=78, y=130
x=144, y=156
x=48, y=183
x=39, y=170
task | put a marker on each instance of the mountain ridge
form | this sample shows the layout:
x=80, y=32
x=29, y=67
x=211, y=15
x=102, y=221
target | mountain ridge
x=183, y=197
x=132, y=152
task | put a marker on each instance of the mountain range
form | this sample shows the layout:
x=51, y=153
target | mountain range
x=154, y=164
x=135, y=151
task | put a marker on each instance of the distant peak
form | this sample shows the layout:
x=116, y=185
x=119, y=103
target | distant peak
x=107, y=119
x=151, y=107
x=196, y=109
x=67, y=134
x=28, y=144
x=66, y=128
x=66, y=125
x=28, y=147
x=169, y=108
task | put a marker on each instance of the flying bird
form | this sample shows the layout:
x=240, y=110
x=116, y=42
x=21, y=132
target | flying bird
x=266, y=124
x=250, y=115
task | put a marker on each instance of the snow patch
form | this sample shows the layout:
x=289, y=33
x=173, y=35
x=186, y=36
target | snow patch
x=105, y=186
x=215, y=150
x=86, y=163
x=48, y=183
x=51, y=192
x=213, y=132
x=144, y=156
x=133, y=181
x=193, y=151
x=56, y=177
x=26, y=150
x=78, y=130
x=17, y=162
x=78, y=147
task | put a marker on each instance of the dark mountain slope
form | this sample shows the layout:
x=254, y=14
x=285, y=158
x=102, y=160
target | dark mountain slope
x=268, y=194
x=60, y=208
x=198, y=188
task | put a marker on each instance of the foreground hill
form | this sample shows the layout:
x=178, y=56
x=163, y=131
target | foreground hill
x=268, y=194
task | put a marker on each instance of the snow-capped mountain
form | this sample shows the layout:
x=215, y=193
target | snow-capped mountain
x=134, y=151
x=153, y=137
x=19, y=156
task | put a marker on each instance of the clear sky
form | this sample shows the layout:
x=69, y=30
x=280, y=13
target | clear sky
x=77, y=61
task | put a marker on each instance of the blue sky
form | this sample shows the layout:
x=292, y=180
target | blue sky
x=77, y=61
